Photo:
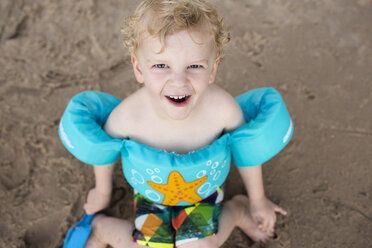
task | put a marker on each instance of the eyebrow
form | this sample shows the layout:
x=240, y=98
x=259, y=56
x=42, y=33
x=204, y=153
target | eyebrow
x=161, y=61
x=156, y=61
x=200, y=61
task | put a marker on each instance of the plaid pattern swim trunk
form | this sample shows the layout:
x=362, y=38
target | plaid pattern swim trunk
x=162, y=226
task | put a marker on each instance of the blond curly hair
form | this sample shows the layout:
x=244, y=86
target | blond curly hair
x=164, y=17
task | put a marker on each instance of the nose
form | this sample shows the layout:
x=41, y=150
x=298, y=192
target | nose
x=179, y=79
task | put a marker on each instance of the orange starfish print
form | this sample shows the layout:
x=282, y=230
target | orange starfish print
x=177, y=189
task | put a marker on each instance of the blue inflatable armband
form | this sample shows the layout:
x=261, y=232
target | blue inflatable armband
x=81, y=130
x=267, y=131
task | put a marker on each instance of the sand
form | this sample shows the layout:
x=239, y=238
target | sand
x=317, y=53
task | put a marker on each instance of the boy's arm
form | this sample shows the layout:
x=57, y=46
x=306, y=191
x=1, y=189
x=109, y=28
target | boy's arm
x=252, y=178
x=103, y=176
x=99, y=197
x=261, y=208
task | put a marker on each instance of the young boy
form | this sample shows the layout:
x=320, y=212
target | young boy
x=176, y=47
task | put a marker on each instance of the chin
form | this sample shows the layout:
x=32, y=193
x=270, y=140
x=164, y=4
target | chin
x=178, y=111
x=178, y=116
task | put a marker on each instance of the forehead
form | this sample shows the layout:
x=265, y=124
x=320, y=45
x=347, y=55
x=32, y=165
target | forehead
x=181, y=41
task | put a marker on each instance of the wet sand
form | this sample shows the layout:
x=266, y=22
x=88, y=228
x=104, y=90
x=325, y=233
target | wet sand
x=317, y=53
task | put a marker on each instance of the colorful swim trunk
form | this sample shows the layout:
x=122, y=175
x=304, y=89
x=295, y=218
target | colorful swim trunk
x=162, y=226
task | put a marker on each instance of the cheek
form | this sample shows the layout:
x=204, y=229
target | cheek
x=155, y=82
x=200, y=81
x=201, y=78
x=155, y=77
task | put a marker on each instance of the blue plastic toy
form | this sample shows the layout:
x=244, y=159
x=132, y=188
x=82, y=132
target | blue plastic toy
x=78, y=235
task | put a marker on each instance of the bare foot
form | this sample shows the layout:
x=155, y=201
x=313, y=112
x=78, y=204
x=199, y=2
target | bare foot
x=246, y=223
x=94, y=240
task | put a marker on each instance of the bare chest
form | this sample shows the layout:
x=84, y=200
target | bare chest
x=180, y=137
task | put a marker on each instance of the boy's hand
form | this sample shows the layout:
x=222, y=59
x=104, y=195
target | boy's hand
x=96, y=201
x=263, y=213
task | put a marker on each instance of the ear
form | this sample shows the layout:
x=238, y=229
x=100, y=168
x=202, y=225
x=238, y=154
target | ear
x=136, y=69
x=214, y=70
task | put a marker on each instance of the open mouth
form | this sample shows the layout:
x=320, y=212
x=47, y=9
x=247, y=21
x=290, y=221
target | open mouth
x=179, y=100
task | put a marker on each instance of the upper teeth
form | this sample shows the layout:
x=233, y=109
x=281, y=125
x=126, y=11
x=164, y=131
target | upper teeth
x=177, y=97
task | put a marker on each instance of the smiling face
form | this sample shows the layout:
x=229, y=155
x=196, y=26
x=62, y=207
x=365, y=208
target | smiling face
x=176, y=78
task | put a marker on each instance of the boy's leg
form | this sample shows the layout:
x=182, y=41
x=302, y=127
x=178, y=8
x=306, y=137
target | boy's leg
x=234, y=213
x=118, y=233
x=111, y=231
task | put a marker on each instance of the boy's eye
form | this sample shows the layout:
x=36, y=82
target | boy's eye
x=195, y=66
x=160, y=66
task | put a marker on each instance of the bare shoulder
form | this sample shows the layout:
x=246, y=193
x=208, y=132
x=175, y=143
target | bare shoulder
x=228, y=108
x=123, y=118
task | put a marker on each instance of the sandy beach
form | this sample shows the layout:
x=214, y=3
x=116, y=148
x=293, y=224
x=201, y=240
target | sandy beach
x=316, y=53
